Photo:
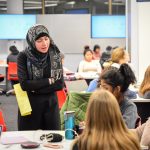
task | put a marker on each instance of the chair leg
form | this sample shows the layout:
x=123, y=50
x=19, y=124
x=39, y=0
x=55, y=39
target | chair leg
x=2, y=91
x=10, y=92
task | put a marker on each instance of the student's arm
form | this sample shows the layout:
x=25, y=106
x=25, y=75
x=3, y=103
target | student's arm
x=145, y=139
x=147, y=95
x=81, y=65
x=130, y=115
x=40, y=85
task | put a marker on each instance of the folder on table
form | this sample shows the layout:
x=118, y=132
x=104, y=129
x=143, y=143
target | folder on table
x=23, y=100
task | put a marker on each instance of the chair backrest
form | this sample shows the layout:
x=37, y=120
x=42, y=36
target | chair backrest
x=1, y=77
x=12, y=71
x=75, y=101
x=61, y=95
x=2, y=122
x=76, y=85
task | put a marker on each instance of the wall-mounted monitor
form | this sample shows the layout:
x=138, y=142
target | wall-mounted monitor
x=143, y=0
x=111, y=26
x=15, y=26
x=77, y=11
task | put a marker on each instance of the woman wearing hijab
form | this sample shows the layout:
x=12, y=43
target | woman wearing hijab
x=41, y=75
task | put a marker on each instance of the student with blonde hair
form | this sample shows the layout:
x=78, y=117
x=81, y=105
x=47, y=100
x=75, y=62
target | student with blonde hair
x=105, y=128
x=118, y=57
x=145, y=86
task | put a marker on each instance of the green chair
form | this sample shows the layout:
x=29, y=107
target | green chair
x=76, y=101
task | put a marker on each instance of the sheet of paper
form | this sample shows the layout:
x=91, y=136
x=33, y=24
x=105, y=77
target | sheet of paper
x=13, y=140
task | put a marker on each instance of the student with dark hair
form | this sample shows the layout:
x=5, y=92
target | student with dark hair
x=12, y=57
x=96, y=52
x=117, y=82
x=88, y=65
x=40, y=73
x=105, y=55
x=86, y=47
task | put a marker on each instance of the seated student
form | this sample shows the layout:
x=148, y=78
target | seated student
x=96, y=52
x=88, y=65
x=145, y=86
x=94, y=83
x=118, y=57
x=104, y=126
x=143, y=133
x=106, y=55
x=12, y=57
x=117, y=82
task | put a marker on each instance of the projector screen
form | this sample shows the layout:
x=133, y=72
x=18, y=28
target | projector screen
x=108, y=26
x=15, y=26
x=77, y=11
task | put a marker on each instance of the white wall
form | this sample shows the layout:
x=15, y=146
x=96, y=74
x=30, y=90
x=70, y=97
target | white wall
x=71, y=33
x=143, y=37
x=5, y=44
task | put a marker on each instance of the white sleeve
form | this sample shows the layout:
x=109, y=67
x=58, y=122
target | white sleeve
x=98, y=67
x=81, y=66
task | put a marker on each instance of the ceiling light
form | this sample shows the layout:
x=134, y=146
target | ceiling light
x=119, y=4
x=49, y=5
x=31, y=2
x=71, y=3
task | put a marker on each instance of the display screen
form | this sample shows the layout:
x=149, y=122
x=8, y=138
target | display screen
x=108, y=26
x=15, y=26
x=77, y=11
x=143, y=0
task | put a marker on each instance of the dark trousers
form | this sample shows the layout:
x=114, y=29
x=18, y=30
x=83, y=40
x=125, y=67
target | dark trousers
x=45, y=115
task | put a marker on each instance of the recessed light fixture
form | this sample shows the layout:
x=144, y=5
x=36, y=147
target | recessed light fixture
x=71, y=2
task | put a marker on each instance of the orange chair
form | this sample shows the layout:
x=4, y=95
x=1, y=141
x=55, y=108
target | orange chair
x=2, y=122
x=61, y=95
x=12, y=75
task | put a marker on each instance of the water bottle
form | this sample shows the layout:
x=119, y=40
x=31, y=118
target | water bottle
x=69, y=124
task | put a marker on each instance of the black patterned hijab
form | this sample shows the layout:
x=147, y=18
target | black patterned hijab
x=37, y=60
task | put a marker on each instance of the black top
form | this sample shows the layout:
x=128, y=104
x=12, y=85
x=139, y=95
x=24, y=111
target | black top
x=40, y=86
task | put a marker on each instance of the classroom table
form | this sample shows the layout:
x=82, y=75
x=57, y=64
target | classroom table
x=33, y=136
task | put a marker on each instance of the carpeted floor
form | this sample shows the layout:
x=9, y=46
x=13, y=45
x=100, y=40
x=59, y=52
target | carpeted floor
x=10, y=110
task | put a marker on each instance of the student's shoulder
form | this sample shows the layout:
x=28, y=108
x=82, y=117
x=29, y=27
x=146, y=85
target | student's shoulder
x=147, y=95
x=129, y=102
x=22, y=54
x=22, y=57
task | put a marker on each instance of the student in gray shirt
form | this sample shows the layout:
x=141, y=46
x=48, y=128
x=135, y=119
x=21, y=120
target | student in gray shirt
x=117, y=82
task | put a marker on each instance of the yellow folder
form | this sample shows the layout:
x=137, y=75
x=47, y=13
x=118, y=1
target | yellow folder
x=23, y=100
